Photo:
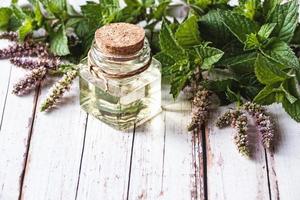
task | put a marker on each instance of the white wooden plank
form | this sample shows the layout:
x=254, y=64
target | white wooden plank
x=14, y=135
x=105, y=163
x=163, y=163
x=147, y=160
x=284, y=162
x=57, y=139
x=229, y=175
x=4, y=84
x=179, y=164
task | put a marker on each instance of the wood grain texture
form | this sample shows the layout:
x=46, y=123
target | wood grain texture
x=56, y=144
x=284, y=160
x=14, y=137
x=179, y=177
x=106, y=162
x=4, y=84
x=229, y=175
x=163, y=163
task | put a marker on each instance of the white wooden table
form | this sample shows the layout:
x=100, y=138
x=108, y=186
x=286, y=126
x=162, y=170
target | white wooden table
x=67, y=154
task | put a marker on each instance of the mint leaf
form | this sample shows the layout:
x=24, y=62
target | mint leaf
x=266, y=96
x=188, y=34
x=249, y=8
x=286, y=18
x=266, y=30
x=269, y=6
x=267, y=71
x=38, y=14
x=288, y=95
x=59, y=43
x=213, y=29
x=18, y=13
x=239, y=25
x=208, y=55
x=133, y=3
x=160, y=10
x=57, y=7
x=251, y=42
x=168, y=43
x=164, y=59
x=25, y=29
x=282, y=53
x=293, y=109
x=179, y=74
x=240, y=63
x=5, y=14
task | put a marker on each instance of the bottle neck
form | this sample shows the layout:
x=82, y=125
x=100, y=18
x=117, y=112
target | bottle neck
x=122, y=66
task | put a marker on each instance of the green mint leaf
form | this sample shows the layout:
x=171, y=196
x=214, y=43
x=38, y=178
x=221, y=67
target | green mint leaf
x=5, y=14
x=292, y=99
x=180, y=72
x=239, y=25
x=286, y=18
x=220, y=74
x=20, y=15
x=266, y=96
x=57, y=7
x=59, y=43
x=168, y=43
x=110, y=3
x=266, y=30
x=164, y=59
x=82, y=27
x=251, y=42
x=14, y=24
x=38, y=14
x=160, y=10
x=292, y=85
x=132, y=3
x=249, y=8
x=187, y=34
x=269, y=6
x=293, y=109
x=208, y=55
x=98, y=15
x=282, y=53
x=268, y=71
x=205, y=4
x=296, y=37
x=25, y=29
x=213, y=29
x=241, y=63
x=231, y=95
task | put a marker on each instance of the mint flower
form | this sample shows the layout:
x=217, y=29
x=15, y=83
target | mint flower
x=57, y=91
x=200, y=109
x=30, y=81
x=241, y=136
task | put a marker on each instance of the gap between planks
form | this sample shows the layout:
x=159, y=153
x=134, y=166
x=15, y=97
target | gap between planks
x=36, y=96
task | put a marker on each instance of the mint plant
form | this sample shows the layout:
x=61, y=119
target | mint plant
x=247, y=52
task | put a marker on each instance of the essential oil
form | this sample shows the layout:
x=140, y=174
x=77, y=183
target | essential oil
x=120, y=83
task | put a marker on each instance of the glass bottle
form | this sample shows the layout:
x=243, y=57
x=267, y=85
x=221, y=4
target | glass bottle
x=120, y=86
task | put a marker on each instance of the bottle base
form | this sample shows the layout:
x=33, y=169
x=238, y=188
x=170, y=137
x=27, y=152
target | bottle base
x=121, y=124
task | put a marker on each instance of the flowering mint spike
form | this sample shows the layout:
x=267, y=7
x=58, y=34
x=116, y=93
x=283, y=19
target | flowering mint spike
x=57, y=91
x=264, y=123
x=200, y=109
x=30, y=81
x=28, y=48
x=266, y=128
x=227, y=118
x=12, y=36
x=33, y=63
x=241, y=136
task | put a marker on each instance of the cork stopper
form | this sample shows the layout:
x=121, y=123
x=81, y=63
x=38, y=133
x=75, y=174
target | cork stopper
x=120, y=38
